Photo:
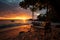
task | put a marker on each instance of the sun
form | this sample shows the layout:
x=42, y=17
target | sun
x=21, y=18
x=24, y=19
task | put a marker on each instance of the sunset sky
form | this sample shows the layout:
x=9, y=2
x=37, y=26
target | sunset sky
x=11, y=9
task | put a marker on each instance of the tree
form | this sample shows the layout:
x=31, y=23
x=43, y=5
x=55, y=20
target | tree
x=33, y=5
x=12, y=21
x=41, y=18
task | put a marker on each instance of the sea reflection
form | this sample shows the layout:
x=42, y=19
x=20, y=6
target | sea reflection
x=12, y=32
x=25, y=28
x=29, y=32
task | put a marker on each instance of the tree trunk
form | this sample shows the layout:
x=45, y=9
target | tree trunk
x=32, y=15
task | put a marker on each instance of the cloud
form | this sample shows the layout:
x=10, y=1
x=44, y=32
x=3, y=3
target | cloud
x=10, y=10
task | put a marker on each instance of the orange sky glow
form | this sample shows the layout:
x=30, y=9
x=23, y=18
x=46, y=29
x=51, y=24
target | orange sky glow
x=22, y=16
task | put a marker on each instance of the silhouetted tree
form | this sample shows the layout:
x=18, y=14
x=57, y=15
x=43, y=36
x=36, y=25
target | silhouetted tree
x=33, y=5
x=41, y=18
x=12, y=21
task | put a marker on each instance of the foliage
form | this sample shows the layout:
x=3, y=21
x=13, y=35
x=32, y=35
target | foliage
x=39, y=4
x=33, y=4
x=41, y=18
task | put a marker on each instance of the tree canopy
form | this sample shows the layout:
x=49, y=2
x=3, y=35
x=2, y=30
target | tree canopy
x=39, y=4
x=33, y=4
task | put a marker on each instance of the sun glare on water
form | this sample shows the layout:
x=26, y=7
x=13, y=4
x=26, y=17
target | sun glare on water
x=24, y=19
